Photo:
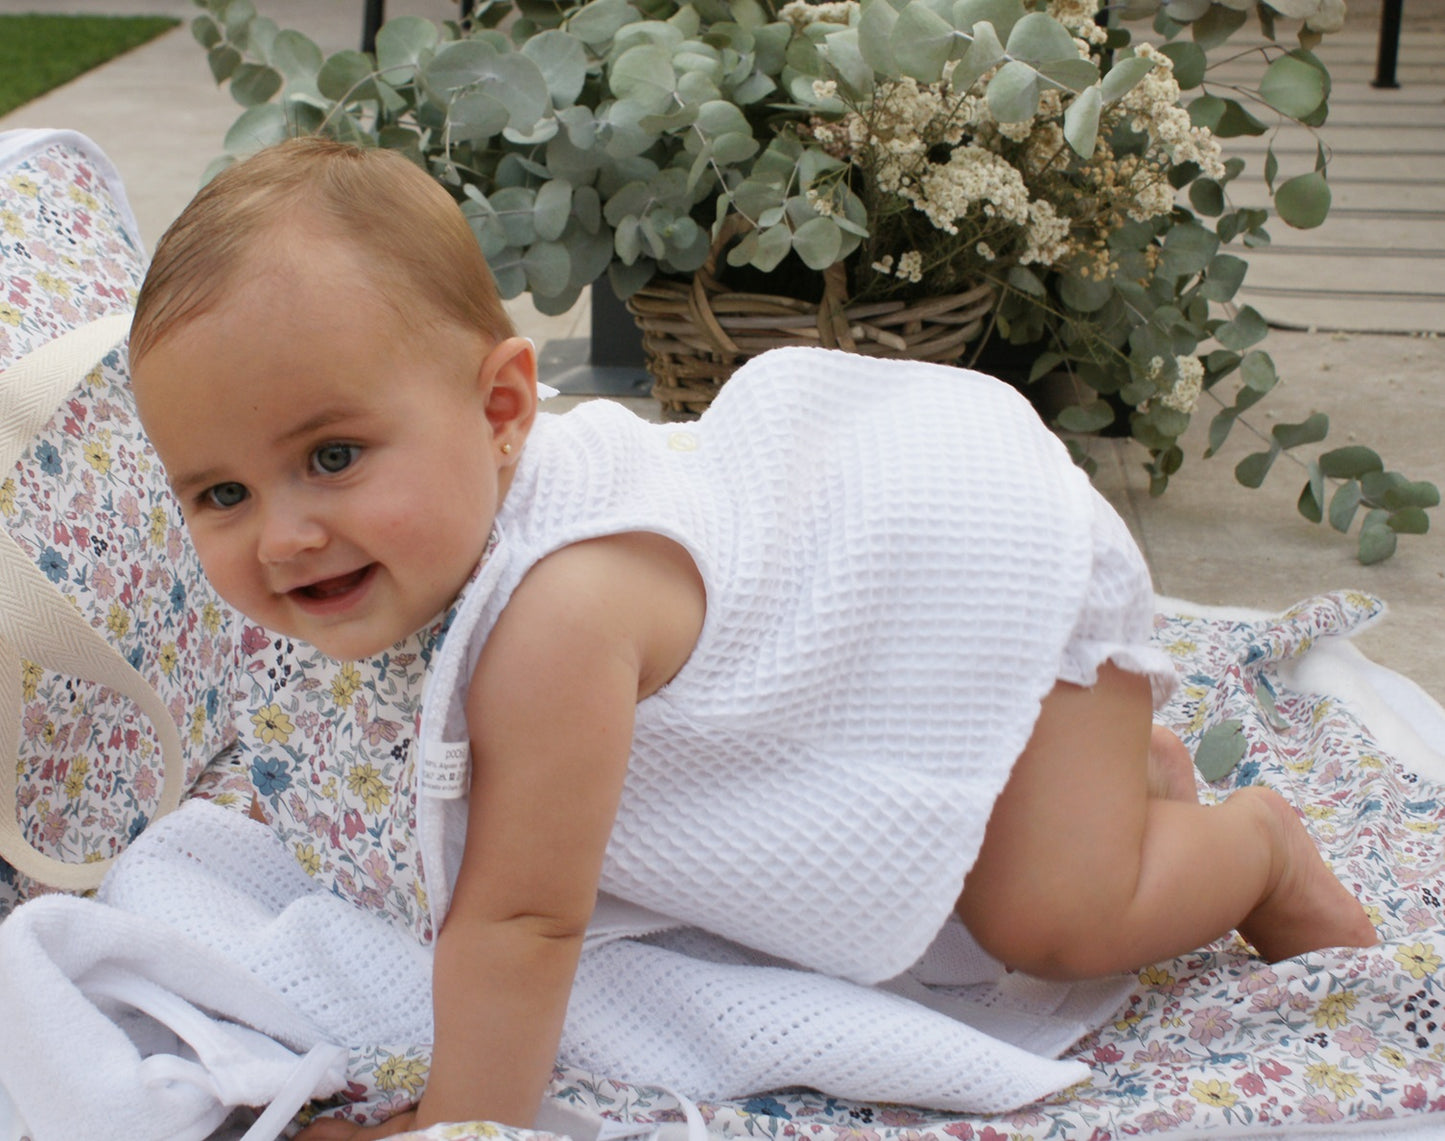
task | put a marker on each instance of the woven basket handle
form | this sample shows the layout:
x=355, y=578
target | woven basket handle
x=39, y=624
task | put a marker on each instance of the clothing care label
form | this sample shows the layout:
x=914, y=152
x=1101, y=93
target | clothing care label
x=444, y=769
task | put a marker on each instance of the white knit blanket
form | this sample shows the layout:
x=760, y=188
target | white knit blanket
x=209, y=909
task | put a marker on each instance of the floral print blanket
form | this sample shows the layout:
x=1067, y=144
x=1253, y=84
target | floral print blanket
x=1216, y=1041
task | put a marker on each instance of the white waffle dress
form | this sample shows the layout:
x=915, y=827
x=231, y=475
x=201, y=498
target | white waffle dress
x=900, y=561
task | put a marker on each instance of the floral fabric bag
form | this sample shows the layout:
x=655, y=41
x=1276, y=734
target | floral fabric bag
x=84, y=500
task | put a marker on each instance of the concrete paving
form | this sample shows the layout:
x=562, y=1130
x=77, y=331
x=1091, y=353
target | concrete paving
x=158, y=115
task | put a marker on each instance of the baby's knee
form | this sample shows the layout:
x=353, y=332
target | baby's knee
x=1065, y=943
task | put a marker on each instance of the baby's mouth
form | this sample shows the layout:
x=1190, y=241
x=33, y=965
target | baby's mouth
x=330, y=588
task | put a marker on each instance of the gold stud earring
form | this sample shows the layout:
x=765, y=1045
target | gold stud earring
x=506, y=449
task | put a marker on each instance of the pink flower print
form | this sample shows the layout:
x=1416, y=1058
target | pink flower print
x=376, y=867
x=1251, y=1084
x=82, y=731
x=62, y=738
x=1419, y=919
x=991, y=1134
x=130, y=511
x=33, y=723
x=102, y=581
x=1376, y=1113
x=1157, y=1121
x=1210, y=1023
x=899, y=1116
x=253, y=640
x=27, y=795
x=145, y=782
x=1108, y=1054
x=1159, y=1054
x=380, y=730
x=959, y=1129
x=1258, y=980
x=175, y=544
x=1320, y=1108
x=1357, y=1041
x=53, y=826
x=1025, y=1117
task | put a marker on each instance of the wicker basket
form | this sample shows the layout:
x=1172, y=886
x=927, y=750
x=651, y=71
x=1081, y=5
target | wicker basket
x=696, y=333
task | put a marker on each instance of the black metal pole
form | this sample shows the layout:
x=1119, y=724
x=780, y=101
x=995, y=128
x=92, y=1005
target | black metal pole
x=1389, y=53
x=371, y=21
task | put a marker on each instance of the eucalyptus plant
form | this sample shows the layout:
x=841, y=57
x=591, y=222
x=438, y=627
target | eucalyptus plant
x=920, y=145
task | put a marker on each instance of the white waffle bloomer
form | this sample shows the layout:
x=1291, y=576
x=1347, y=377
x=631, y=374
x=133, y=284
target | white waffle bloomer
x=900, y=562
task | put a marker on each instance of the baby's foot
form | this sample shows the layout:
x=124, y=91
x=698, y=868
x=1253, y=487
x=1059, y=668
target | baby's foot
x=1308, y=908
x=1171, y=768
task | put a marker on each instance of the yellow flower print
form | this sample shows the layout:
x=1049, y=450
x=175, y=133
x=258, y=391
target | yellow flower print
x=48, y=733
x=52, y=284
x=198, y=725
x=397, y=1072
x=1334, y=1010
x=7, y=497
x=84, y=197
x=1334, y=1079
x=1213, y=1092
x=75, y=779
x=158, y=526
x=118, y=621
x=12, y=223
x=167, y=659
x=1322, y=710
x=30, y=674
x=328, y=790
x=1418, y=960
x=365, y=782
x=97, y=455
x=25, y=186
x=1319, y=811
x=9, y=314
x=211, y=617
x=1156, y=977
x=273, y=725
x=420, y=892
x=308, y=858
x=345, y=685
x=1392, y=1057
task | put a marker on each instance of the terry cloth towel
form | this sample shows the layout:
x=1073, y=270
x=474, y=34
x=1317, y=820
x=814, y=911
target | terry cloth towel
x=208, y=909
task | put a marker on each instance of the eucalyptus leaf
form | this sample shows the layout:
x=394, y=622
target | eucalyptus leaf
x=773, y=246
x=1256, y=369
x=1089, y=417
x=1124, y=76
x=258, y=127
x=1408, y=521
x=552, y=209
x=295, y=57
x=875, y=35
x=1303, y=201
x=1220, y=749
x=598, y=21
x=644, y=76
x=1251, y=470
x=1247, y=329
x=1189, y=63
x=983, y=53
x=1350, y=462
x=223, y=62
x=1343, y=505
x=1294, y=85
x=548, y=268
x=1081, y=122
x=1377, y=543
x=1223, y=277
x=1039, y=38
x=1013, y=93
x=345, y=76
x=1311, y=497
x=402, y=44
x=562, y=61
x=206, y=32
x=921, y=42
x=1001, y=14
x=1311, y=430
x=253, y=83
x=818, y=242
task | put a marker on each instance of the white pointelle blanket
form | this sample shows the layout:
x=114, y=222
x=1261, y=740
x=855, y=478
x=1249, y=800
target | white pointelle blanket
x=212, y=972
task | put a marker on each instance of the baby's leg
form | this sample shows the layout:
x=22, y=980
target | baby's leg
x=1083, y=872
x=1171, y=768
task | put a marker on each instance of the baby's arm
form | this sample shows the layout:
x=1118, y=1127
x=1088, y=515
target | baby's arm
x=590, y=631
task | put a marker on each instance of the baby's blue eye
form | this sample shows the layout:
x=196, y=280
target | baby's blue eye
x=225, y=495
x=329, y=459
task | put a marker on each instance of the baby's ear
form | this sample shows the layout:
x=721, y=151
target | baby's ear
x=508, y=380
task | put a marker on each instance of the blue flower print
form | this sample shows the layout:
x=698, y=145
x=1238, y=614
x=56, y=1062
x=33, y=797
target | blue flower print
x=53, y=563
x=137, y=656
x=213, y=703
x=137, y=826
x=270, y=777
x=178, y=596
x=47, y=455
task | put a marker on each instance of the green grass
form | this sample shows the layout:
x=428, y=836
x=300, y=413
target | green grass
x=41, y=52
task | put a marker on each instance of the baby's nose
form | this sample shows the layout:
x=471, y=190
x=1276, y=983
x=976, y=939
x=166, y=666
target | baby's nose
x=288, y=531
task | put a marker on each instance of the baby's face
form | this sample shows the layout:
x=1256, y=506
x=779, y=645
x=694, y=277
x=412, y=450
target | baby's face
x=338, y=469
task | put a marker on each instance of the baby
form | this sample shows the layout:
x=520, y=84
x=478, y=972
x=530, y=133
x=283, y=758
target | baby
x=876, y=593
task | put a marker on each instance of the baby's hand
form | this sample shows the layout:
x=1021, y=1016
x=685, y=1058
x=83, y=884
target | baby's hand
x=335, y=1129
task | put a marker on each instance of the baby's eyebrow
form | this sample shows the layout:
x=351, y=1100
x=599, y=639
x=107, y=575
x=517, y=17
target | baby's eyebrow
x=324, y=418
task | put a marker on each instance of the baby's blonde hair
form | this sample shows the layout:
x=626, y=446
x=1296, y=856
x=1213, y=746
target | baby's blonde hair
x=423, y=257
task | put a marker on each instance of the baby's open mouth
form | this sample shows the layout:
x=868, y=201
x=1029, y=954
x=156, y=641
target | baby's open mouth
x=329, y=588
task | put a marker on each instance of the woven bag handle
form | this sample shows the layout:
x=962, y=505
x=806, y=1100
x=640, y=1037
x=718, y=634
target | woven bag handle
x=39, y=624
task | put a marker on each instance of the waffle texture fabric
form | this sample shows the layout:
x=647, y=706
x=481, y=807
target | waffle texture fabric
x=210, y=962
x=900, y=561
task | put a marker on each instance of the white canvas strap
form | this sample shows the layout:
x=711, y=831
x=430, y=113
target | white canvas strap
x=41, y=625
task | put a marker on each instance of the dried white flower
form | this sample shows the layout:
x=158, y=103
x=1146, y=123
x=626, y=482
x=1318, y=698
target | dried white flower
x=910, y=266
x=1184, y=396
